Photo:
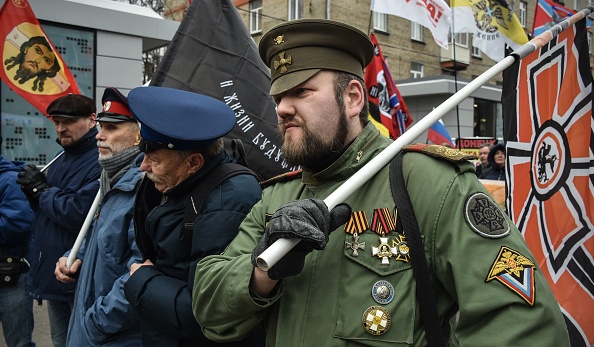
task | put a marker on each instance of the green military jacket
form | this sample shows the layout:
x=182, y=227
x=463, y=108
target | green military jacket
x=355, y=295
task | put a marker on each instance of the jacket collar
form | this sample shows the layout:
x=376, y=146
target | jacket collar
x=84, y=144
x=188, y=185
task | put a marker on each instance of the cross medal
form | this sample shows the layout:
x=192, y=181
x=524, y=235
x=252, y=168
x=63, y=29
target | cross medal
x=384, y=251
x=355, y=245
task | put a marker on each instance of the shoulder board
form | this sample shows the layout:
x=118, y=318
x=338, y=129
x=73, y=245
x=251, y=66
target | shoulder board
x=281, y=178
x=438, y=151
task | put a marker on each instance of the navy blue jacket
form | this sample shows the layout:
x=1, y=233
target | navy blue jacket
x=15, y=215
x=162, y=294
x=102, y=316
x=74, y=181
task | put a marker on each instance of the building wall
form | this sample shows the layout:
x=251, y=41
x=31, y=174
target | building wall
x=119, y=62
x=118, y=35
x=400, y=50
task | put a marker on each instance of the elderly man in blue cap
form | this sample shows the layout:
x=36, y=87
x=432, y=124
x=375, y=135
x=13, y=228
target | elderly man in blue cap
x=183, y=153
x=101, y=315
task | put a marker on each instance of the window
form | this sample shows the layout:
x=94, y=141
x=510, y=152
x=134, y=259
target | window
x=523, y=14
x=380, y=22
x=295, y=9
x=476, y=52
x=461, y=39
x=416, y=31
x=255, y=16
x=488, y=121
x=416, y=69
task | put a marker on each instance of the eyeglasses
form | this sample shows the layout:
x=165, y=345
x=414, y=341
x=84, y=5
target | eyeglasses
x=147, y=146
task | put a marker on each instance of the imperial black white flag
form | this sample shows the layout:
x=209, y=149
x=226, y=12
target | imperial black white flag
x=213, y=54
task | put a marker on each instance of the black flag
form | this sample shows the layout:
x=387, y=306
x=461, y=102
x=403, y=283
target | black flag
x=213, y=54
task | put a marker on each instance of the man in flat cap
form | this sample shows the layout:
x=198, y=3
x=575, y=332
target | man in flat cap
x=101, y=315
x=61, y=202
x=184, y=163
x=362, y=284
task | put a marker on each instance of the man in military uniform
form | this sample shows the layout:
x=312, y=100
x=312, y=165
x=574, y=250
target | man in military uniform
x=356, y=285
x=183, y=150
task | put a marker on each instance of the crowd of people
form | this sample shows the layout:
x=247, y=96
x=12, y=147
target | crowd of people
x=170, y=258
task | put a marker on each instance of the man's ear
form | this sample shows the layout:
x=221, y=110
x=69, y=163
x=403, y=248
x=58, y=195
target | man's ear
x=93, y=118
x=195, y=162
x=354, y=98
x=137, y=140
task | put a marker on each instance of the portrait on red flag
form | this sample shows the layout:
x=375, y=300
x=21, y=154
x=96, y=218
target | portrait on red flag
x=31, y=65
x=547, y=107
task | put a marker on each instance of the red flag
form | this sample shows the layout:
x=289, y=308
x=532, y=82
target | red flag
x=547, y=104
x=385, y=102
x=31, y=65
x=549, y=13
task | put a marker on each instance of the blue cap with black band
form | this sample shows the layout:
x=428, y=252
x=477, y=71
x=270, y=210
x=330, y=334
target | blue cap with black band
x=178, y=119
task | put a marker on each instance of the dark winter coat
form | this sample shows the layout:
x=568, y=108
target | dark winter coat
x=162, y=294
x=15, y=215
x=74, y=181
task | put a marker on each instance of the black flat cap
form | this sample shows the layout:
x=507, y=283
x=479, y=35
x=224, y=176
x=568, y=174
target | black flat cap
x=72, y=106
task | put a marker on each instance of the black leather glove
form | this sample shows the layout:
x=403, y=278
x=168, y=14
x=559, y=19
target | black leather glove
x=33, y=182
x=308, y=220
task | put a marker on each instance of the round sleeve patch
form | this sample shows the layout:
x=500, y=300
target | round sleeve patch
x=484, y=217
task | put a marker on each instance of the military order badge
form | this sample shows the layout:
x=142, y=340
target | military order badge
x=355, y=226
x=376, y=320
x=516, y=272
x=484, y=217
x=382, y=292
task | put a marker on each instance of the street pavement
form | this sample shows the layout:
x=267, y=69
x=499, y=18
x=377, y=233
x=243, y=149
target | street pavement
x=41, y=332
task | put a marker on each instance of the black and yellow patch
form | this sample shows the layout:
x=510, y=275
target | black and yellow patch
x=282, y=178
x=438, y=151
x=516, y=272
x=484, y=217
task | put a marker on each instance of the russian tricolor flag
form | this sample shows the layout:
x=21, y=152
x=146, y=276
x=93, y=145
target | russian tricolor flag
x=439, y=135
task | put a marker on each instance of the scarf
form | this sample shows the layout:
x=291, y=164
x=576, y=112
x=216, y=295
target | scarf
x=115, y=167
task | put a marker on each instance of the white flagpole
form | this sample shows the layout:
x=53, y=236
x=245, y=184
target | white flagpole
x=51, y=162
x=83, y=230
x=282, y=246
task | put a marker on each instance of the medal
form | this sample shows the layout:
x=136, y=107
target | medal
x=382, y=292
x=384, y=251
x=376, y=320
x=355, y=245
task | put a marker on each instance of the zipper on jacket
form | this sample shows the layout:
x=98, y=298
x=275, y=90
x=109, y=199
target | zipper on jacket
x=371, y=142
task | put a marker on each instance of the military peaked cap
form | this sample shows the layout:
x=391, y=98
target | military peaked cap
x=115, y=107
x=297, y=50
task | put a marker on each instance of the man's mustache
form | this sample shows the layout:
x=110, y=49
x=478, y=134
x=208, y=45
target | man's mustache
x=152, y=177
x=103, y=144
